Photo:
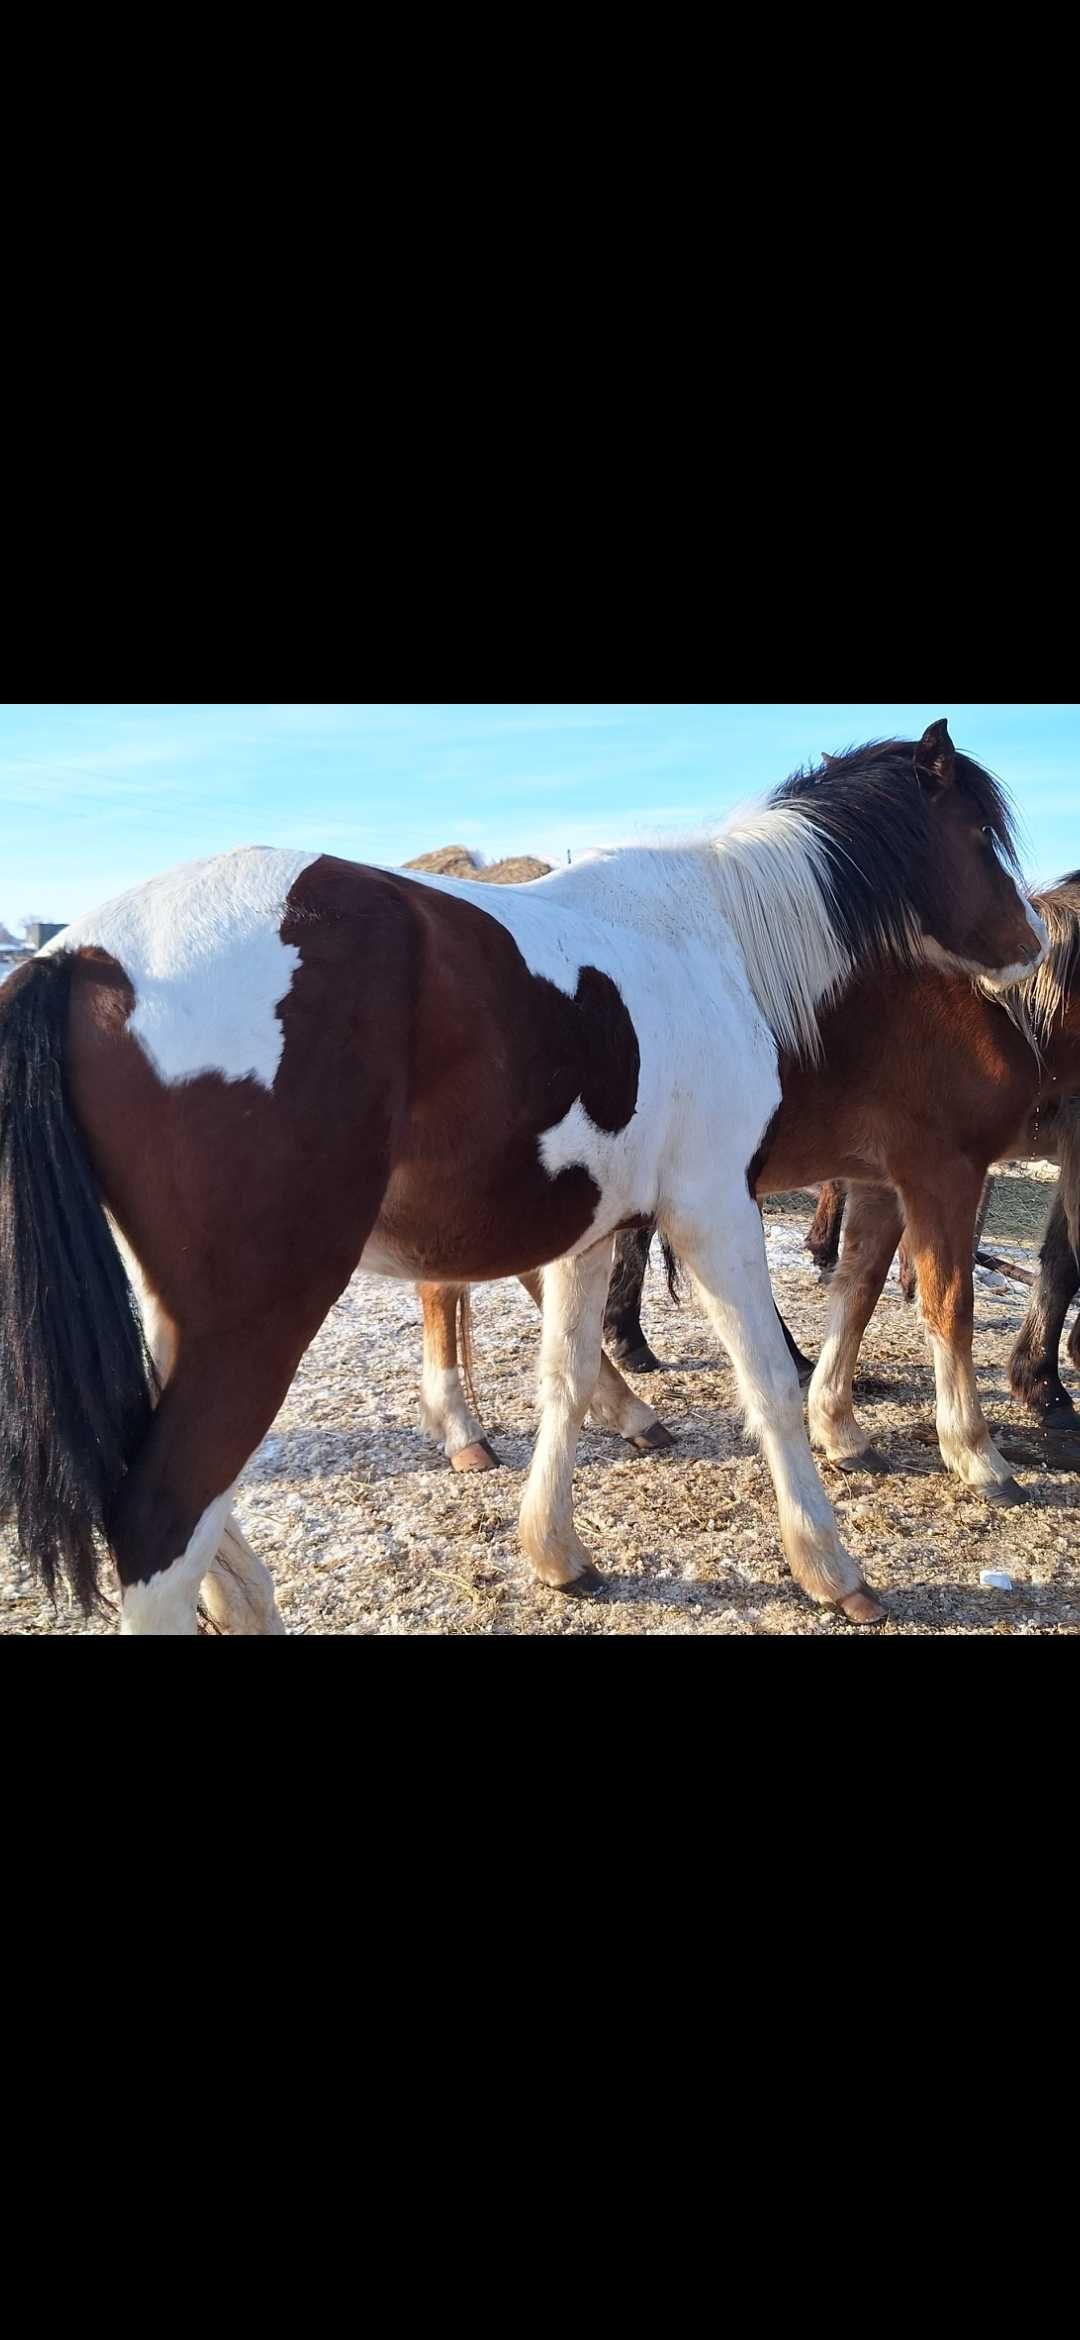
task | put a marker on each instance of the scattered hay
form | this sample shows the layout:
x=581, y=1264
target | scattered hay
x=368, y=1531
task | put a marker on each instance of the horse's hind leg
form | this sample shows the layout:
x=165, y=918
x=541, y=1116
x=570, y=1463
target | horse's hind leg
x=173, y=1512
x=871, y=1230
x=238, y=1591
x=613, y=1405
x=940, y=1221
x=574, y=1292
x=1033, y=1367
x=443, y=1407
x=730, y=1271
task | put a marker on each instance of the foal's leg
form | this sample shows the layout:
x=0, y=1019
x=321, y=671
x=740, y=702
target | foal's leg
x=729, y=1267
x=443, y=1407
x=940, y=1221
x=613, y=1405
x=874, y=1220
x=823, y=1240
x=1033, y=1367
x=574, y=1292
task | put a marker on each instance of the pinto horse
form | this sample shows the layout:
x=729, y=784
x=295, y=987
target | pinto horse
x=268, y=1070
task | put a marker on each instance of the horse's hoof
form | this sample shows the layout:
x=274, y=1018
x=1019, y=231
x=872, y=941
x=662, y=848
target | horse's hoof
x=654, y=1441
x=861, y=1608
x=478, y=1457
x=583, y=1587
x=1007, y=1491
x=869, y=1460
x=1060, y=1420
x=637, y=1361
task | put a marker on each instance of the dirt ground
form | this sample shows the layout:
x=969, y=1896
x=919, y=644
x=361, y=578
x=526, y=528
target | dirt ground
x=367, y=1530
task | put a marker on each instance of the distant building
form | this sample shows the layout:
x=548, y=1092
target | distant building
x=14, y=954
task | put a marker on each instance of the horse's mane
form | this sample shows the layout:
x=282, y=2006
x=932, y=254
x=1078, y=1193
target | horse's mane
x=833, y=873
x=1041, y=1002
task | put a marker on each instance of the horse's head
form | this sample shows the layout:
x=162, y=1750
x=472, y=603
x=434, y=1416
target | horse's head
x=921, y=857
x=973, y=913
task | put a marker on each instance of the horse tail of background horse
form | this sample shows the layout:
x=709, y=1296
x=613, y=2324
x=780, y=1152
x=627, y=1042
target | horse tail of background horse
x=77, y=1386
x=465, y=1348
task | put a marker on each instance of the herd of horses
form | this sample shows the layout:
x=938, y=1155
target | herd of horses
x=225, y=1092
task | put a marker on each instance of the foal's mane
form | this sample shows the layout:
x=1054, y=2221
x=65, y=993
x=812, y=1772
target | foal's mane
x=1038, y=1004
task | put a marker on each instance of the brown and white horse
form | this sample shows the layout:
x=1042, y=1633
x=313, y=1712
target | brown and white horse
x=271, y=1069
x=926, y=1091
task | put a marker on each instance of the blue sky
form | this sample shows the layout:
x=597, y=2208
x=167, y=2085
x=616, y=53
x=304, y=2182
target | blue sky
x=94, y=799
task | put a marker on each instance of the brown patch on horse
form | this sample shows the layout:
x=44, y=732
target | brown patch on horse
x=469, y=1198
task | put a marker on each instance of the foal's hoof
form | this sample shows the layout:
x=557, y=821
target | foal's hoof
x=654, y=1441
x=636, y=1360
x=869, y=1460
x=479, y=1457
x=861, y=1608
x=1007, y=1491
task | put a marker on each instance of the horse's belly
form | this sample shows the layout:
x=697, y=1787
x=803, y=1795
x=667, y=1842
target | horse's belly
x=435, y=1227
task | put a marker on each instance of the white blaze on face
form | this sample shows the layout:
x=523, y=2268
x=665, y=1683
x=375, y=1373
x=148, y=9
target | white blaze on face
x=202, y=950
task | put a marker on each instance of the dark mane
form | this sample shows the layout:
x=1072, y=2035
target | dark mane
x=872, y=816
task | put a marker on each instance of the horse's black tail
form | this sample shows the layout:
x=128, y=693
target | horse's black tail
x=674, y=1270
x=77, y=1386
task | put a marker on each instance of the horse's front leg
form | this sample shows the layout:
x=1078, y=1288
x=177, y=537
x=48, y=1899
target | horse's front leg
x=940, y=1226
x=871, y=1233
x=574, y=1293
x=443, y=1408
x=729, y=1269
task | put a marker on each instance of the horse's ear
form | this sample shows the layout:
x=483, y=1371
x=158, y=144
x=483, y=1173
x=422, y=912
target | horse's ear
x=935, y=758
x=829, y=761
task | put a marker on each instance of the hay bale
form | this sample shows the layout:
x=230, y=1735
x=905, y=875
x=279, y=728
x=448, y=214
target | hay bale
x=448, y=861
x=456, y=861
x=519, y=871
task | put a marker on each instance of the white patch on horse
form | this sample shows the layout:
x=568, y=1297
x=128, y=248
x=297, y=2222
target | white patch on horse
x=202, y=950
x=166, y=1603
x=444, y=1412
